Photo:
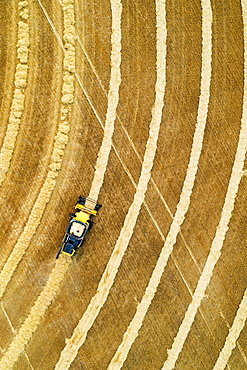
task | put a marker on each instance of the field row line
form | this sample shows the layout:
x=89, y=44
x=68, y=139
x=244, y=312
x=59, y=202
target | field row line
x=79, y=335
x=183, y=205
x=62, y=264
x=60, y=142
x=122, y=126
x=45, y=298
x=20, y=83
x=241, y=314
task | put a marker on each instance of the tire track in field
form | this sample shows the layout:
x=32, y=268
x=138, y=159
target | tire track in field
x=51, y=288
x=241, y=315
x=121, y=123
x=79, y=335
x=20, y=82
x=183, y=205
x=60, y=142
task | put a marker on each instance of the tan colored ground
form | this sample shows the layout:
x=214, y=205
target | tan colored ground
x=28, y=170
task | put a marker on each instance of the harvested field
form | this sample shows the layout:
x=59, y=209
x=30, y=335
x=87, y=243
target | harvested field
x=142, y=105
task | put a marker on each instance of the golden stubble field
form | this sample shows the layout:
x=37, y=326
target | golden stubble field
x=143, y=106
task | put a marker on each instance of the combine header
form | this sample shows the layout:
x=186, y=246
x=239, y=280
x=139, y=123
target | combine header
x=79, y=224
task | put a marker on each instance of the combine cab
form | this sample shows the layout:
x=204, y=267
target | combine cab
x=78, y=226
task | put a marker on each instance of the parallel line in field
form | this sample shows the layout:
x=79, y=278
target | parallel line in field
x=123, y=128
x=36, y=314
x=79, y=335
x=121, y=123
x=51, y=288
x=183, y=205
x=214, y=255
x=20, y=82
x=132, y=145
x=14, y=332
x=233, y=334
x=60, y=142
x=213, y=258
x=113, y=98
x=241, y=314
x=45, y=298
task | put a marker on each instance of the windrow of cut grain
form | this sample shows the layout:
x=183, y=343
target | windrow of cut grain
x=182, y=207
x=79, y=335
x=241, y=315
x=124, y=130
x=47, y=295
x=215, y=252
x=232, y=337
x=60, y=142
x=113, y=97
x=20, y=82
x=57, y=275
x=31, y=323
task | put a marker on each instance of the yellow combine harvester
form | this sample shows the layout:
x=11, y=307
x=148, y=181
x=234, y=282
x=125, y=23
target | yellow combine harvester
x=79, y=224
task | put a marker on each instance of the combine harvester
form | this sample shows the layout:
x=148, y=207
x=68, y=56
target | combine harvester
x=79, y=224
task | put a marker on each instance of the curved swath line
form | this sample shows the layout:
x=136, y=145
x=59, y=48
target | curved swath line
x=20, y=83
x=79, y=335
x=31, y=323
x=234, y=332
x=61, y=140
x=132, y=145
x=113, y=97
x=213, y=258
x=241, y=315
x=121, y=123
x=62, y=264
x=215, y=252
x=124, y=129
x=182, y=207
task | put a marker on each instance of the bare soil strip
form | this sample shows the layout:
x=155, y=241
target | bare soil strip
x=74, y=343
x=20, y=83
x=241, y=315
x=182, y=207
x=61, y=140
